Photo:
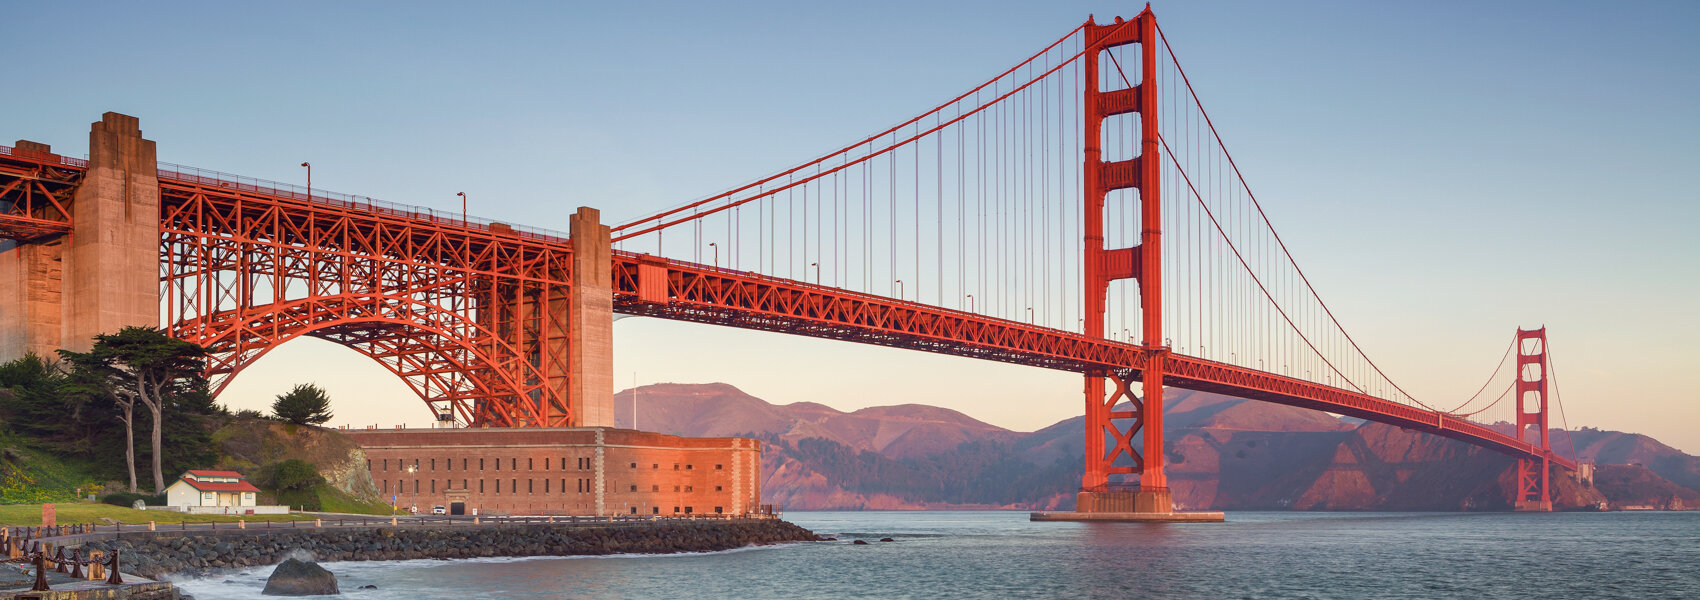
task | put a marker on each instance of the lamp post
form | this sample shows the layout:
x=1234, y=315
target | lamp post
x=716, y=254
x=970, y=303
x=462, y=207
x=899, y=289
x=309, y=180
x=816, y=265
x=412, y=496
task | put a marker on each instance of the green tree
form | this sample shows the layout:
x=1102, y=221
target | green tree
x=296, y=482
x=307, y=404
x=140, y=364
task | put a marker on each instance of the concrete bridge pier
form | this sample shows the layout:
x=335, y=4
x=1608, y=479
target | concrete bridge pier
x=104, y=276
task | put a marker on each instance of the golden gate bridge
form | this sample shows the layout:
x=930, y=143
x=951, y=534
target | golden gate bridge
x=1078, y=211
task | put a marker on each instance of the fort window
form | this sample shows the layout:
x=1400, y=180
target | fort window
x=416, y=486
x=654, y=465
x=634, y=487
x=655, y=510
x=675, y=510
x=634, y=466
x=513, y=485
x=687, y=467
x=719, y=467
x=463, y=484
x=368, y=464
x=546, y=486
x=481, y=486
x=463, y=464
x=386, y=464
x=433, y=464
x=513, y=464
x=718, y=511
x=634, y=510
x=675, y=466
x=687, y=510
x=675, y=489
x=481, y=464
x=717, y=488
x=498, y=464
x=688, y=488
x=529, y=487
x=433, y=486
x=655, y=487
x=529, y=466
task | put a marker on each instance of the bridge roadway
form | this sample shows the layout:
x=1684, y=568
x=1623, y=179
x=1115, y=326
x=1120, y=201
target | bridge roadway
x=672, y=289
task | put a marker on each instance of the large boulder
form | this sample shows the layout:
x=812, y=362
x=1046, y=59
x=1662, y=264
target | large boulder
x=295, y=577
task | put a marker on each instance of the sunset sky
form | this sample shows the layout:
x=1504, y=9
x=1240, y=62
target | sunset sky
x=1444, y=172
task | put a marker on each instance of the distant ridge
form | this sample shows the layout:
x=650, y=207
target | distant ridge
x=1223, y=453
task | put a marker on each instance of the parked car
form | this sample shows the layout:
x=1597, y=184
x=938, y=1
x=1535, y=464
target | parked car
x=438, y=510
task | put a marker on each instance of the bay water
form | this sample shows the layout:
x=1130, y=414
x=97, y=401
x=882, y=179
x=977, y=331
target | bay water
x=947, y=555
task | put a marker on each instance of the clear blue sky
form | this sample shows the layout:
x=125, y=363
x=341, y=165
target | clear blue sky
x=1443, y=171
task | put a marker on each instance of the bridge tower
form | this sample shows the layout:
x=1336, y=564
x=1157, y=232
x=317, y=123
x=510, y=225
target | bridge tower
x=1143, y=262
x=104, y=276
x=1532, y=493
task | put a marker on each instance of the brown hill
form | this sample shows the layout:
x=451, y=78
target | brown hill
x=718, y=409
x=1222, y=452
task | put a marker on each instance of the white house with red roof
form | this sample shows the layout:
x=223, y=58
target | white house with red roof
x=221, y=492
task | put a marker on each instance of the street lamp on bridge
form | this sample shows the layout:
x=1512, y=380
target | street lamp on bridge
x=462, y=207
x=716, y=254
x=970, y=303
x=309, y=180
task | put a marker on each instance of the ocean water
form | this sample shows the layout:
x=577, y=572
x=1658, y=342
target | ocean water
x=944, y=555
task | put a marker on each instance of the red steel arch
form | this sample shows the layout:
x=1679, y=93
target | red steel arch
x=472, y=317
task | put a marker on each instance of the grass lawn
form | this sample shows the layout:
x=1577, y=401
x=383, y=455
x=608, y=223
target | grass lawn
x=29, y=515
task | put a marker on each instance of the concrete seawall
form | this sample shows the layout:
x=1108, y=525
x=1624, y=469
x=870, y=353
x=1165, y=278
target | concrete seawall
x=156, y=554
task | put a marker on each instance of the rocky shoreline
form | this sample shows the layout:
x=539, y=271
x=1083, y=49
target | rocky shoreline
x=158, y=556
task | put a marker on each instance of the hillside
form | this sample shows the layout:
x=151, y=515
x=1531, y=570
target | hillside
x=1223, y=453
x=246, y=444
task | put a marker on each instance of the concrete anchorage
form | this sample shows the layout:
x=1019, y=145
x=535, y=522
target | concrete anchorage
x=60, y=293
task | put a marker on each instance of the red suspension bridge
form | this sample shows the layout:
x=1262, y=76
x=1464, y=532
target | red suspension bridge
x=1078, y=211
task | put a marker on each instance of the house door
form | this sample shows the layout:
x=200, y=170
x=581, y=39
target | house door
x=457, y=508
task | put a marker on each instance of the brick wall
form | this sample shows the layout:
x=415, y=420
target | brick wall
x=567, y=471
